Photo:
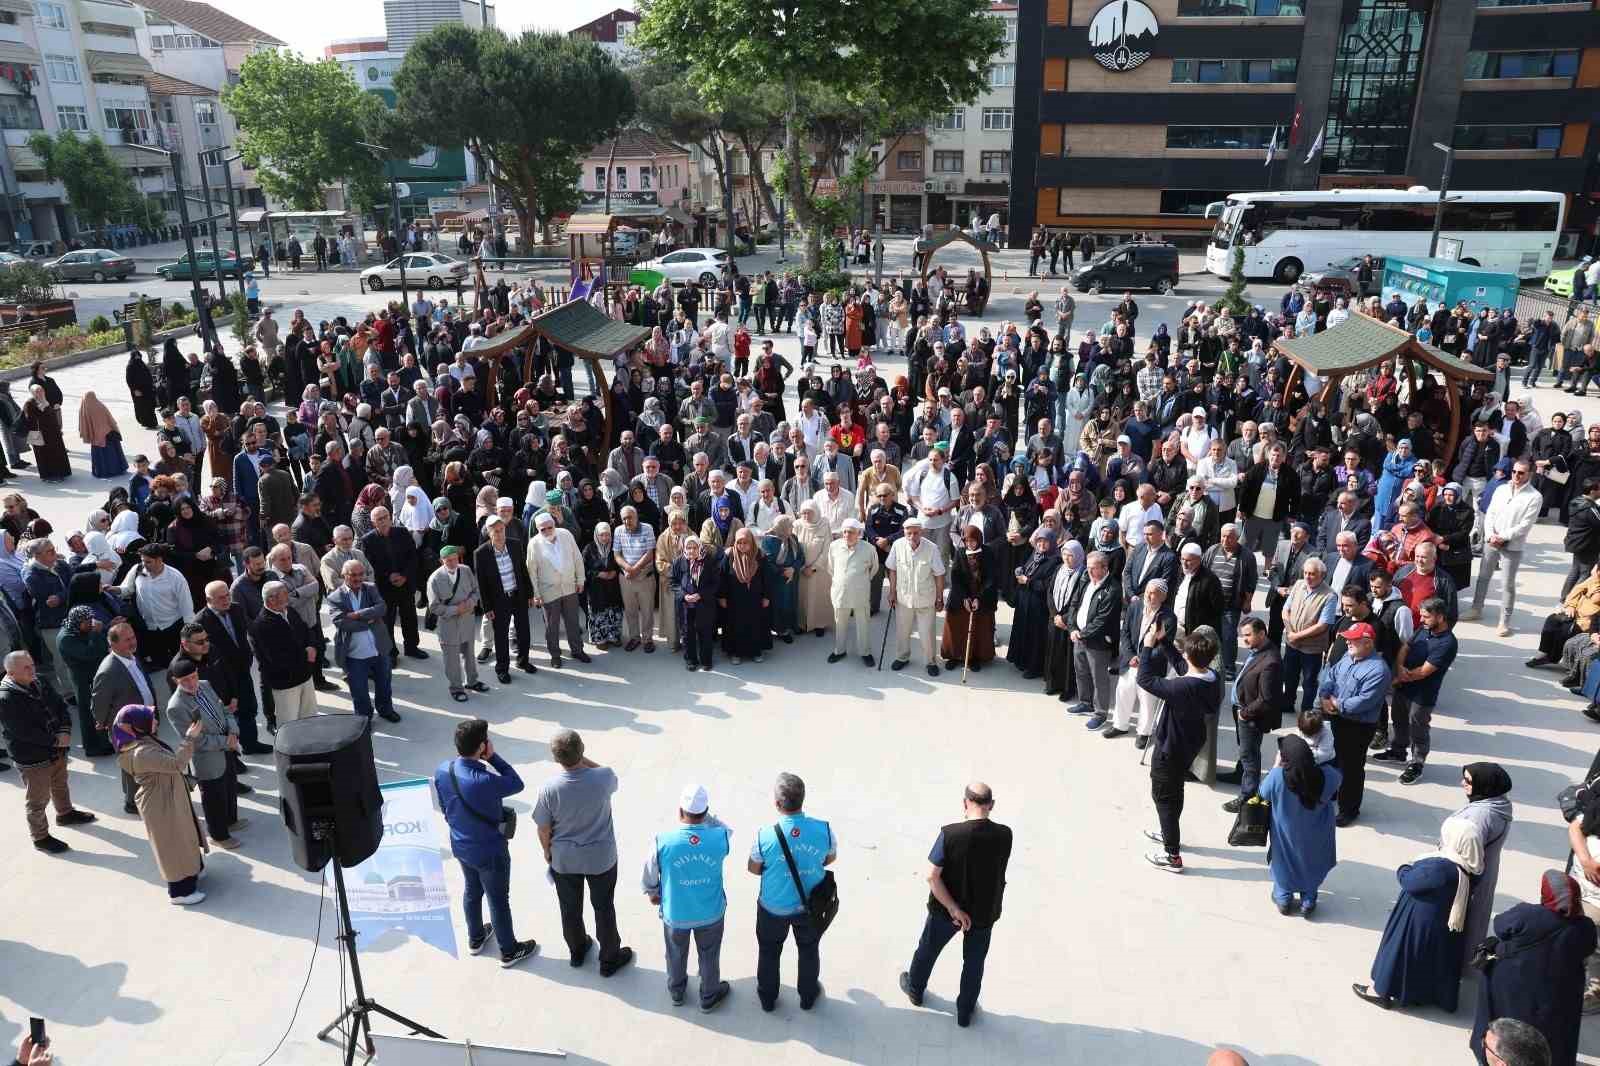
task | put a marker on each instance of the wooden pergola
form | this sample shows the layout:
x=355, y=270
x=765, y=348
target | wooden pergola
x=582, y=330
x=942, y=239
x=1361, y=342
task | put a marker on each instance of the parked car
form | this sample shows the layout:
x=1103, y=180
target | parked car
x=1560, y=280
x=91, y=264
x=9, y=260
x=1339, y=279
x=704, y=265
x=36, y=249
x=433, y=269
x=1130, y=266
x=207, y=263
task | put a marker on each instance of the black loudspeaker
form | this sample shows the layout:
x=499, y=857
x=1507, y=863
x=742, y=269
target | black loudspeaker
x=328, y=789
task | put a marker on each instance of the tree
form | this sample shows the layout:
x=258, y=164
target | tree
x=911, y=58
x=301, y=124
x=98, y=188
x=531, y=106
x=1233, y=300
x=673, y=108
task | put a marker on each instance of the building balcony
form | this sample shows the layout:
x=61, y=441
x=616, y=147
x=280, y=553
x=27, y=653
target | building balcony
x=132, y=136
x=18, y=138
x=111, y=14
x=211, y=136
x=101, y=42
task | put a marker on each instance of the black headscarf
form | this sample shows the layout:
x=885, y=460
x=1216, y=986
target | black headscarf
x=1488, y=780
x=1300, y=770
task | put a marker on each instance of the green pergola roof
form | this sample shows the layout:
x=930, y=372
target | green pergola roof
x=943, y=237
x=1361, y=341
x=579, y=328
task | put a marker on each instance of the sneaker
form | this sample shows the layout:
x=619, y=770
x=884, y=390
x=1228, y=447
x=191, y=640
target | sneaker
x=187, y=901
x=50, y=845
x=1232, y=807
x=1411, y=774
x=1173, y=864
x=1111, y=732
x=721, y=993
x=475, y=946
x=1591, y=997
x=905, y=986
x=1154, y=836
x=526, y=949
x=74, y=817
x=1380, y=741
x=625, y=957
x=899, y=664
x=1079, y=708
x=835, y=657
x=933, y=669
x=1388, y=755
x=1097, y=721
x=1504, y=631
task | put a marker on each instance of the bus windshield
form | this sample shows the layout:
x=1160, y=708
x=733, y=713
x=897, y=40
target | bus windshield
x=1222, y=235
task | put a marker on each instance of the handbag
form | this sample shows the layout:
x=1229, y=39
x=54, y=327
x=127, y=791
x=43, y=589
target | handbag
x=507, y=825
x=1250, y=824
x=35, y=439
x=1488, y=950
x=1572, y=798
x=822, y=904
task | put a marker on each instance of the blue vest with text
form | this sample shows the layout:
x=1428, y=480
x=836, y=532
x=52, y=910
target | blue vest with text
x=691, y=859
x=810, y=840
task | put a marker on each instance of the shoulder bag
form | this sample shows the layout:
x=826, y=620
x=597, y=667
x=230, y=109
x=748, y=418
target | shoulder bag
x=1250, y=824
x=508, y=817
x=1571, y=799
x=822, y=904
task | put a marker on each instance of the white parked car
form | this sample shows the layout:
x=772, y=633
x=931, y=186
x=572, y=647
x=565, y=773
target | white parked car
x=704, y=265
x=433, y=269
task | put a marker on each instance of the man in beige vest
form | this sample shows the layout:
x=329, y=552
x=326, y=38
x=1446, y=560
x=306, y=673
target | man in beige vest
x=1308, y=617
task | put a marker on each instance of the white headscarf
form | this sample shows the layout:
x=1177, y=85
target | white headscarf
x=124, y=530
x=1459, y=842
x=404, y=478
x=101, y=551
x=417, y=513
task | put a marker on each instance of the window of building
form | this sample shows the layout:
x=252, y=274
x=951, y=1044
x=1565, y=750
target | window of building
x=644, y=178
x=621, y=179
x=599, y=177
x=131, y=119
x=997, y=118
x=1219, y=137
x=995, y=163
x=1562, y=64
x=165, y=109
x=182, y=40
x=1234, y=71
x=20, y=113
x=62, y=68
x=50, y=16
x=1508, y=138
x=1010, y=29
x=908, y=161
x=1189, y=201
x=205, y=112
x=1519, y=3
x=8, y=18
x=1376, y=71
x=1240, y=8
x=951, y=120
x=1002, y=75
x=948, y=162
x=106, y=29
x=70, y=117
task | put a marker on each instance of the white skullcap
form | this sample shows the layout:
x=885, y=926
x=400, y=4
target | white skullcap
x=504, y=501
x=544, y=518
x=1193, y=549
x=693, y=799
x=851, y=523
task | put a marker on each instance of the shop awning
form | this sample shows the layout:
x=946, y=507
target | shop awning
x=253, y=216
x=126, y=64
x=591, y=225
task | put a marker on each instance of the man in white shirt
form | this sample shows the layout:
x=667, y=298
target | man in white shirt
x=1136, y=513
x=812, y=425
x=916, y=589
x=1513, y=510
x=932, y=493
x=835, y=505
x=162, y=598
x=852, y=562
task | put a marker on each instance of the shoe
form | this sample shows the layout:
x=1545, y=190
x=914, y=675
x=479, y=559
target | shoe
x=1141, y=742
x=1155, y=837
x=582, y=657
x=1411, y=774
x=242, y=789
x=1538, y=661
x=238, y=823
x=1504, y=631
x=787, y=638
x=1111, y=732
x=578, y=959
x=622, y=960
x=769, y=1007
x=272, y=726
x=187, y=901
x=22, y=464
x=691, y=667
x=933, y=669
x=976, y=667
x=632, y=645
x=416, y=653
x=555, y=663
x=722, y=992
x=758, y=658
x=963, y=1018
x=1095, y=722
x=1569, y=680
x=835, y=657
x=1365, y=992
x=1307, y=909
x=1592, y=713
x=1286, y=908
x=869, y=661
x=905, y=986
x=1233, y=805
x=504, y=677
x=459, y=697
x=485, y=654
x=257, y=749
x=526, y=667
x=1346, y=819
x=1380, y=741
x=525, y=949
x=389, y=716
x=1079, y=707
x=1388, y=755
x=478, y=686
x=899, y=664
x=1591, y=997
x=817, y=632
x=676, y=997
x=74, y=817
x=475, y=947
x=50, y=845
x=226, y=844
x=1471, y=614
x=128, y=808
x=807, y=1004
x=1173, y=864
x=649, y=646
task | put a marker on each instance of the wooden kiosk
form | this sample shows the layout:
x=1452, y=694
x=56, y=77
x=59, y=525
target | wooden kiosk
x=942, y=239
x=585, y=332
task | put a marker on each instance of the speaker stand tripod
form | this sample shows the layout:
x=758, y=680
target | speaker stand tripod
x=358, y=1009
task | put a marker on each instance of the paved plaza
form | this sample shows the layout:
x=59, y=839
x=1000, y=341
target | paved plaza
x=1099, y=958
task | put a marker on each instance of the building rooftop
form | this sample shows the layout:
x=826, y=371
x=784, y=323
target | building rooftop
x=208, y=21
x=162, y=85
x=636, y=143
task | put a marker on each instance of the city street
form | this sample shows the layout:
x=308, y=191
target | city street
x=1098, y=959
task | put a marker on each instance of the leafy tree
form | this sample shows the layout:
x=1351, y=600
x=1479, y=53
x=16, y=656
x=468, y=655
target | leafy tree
x=301, y=124
x=98, y=188
x=674, y=108
x=531, y=106
x=814, y=49
x=1233, y=300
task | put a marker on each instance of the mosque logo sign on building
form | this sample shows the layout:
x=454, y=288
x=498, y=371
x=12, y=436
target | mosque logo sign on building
x=1121, y=34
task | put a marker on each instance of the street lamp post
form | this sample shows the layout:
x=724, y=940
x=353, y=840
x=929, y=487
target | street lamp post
x=211, y=225
x=1444, y=188
x=233, y=211
x=203, y=315
x=394, y=201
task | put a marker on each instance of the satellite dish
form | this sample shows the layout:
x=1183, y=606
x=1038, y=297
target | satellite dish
x=402, y=190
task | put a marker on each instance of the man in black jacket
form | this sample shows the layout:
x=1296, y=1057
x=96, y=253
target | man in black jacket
x=38, y=731
x=1257, y=709
x=505, y=596
x=1197, y=597
x=287, y=652
x=1150, y=561
x=1180, y=735
x=967, y=881
x=228, y=634
x=1093, y=621
x=1272, y=480
x=393, y=555
x=1583, y=534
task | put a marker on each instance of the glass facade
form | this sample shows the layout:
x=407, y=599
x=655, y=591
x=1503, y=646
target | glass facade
x=1375, y=76
x=1562, y=64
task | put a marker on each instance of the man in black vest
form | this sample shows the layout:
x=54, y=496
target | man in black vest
x=967, y=876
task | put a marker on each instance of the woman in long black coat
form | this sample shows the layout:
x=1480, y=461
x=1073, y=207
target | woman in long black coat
x=174, y=373
x=1028, y=625
x=742, y=599
x=224, y=380
x=1538, y=975
x=142, y=389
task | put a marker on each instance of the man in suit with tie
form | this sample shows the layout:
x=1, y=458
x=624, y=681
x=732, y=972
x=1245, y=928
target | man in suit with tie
x=1340, y=518
x=627, y=458
x=288, y=653
x=119, y=681
x=1150, y=560
x=1257, y=709
x=963, y=445
x=742, y=444
x=1288, y=558
x=229, y=632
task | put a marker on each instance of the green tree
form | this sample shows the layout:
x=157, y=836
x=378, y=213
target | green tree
x=1233, y=300
x=98, y=188
x=531, y=106
x=813, y=49
x=301, y=124
x=675, y=109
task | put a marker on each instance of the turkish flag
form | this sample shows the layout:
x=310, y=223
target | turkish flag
x=1294, y=130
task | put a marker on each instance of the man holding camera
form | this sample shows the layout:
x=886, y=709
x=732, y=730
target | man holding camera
x=471, y=788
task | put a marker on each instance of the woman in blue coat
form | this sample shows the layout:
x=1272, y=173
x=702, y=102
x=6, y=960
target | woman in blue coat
x=1419, y=958
x=1302, y=850
x=1397, y=466
x=1538, y=975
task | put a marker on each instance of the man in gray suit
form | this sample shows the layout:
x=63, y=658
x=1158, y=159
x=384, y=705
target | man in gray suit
x=452, y=597
x=362, y=642
x=119, y=681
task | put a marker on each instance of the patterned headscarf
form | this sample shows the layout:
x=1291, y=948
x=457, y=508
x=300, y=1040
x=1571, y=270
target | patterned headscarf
x=79, y=615
x=132, y=722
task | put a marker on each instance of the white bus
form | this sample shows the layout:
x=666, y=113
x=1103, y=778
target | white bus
x=1286, y=234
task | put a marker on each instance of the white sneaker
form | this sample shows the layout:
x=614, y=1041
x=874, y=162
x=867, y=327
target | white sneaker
x=188, y=901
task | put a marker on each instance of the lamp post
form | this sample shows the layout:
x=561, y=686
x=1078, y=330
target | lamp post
x=394, y=201
x=226, y=162
x=211, y=225
x=1444, y=188
x=203, y=314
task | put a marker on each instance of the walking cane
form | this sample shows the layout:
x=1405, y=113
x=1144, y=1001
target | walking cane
x=888, y=624
x=967, y=661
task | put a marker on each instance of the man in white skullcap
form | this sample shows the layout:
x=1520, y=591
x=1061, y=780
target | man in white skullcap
x=916, y=588
x=683, y=878
x=853, y=562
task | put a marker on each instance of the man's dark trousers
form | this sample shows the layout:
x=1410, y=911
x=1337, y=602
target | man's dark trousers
x=602, y=892
x=936, y=933
x=502, y=623
x=1166, y=789
x=771, y=931
x=1350, y=740
x=1249, y=756
x=492, y=880
x=401, y=602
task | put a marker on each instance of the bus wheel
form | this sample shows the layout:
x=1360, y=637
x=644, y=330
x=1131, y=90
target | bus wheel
x=1288, y=271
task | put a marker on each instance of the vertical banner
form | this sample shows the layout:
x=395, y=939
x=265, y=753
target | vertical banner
x=401, y=885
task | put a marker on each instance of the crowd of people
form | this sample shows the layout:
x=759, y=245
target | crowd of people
x=717, y=502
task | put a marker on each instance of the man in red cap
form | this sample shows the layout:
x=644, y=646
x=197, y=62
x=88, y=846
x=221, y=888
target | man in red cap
x=1351, y=692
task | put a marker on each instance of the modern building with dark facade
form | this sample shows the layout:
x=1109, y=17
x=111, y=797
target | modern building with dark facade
x=1133, y=114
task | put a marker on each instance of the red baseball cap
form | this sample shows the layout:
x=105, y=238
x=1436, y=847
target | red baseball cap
x=1359, y=631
